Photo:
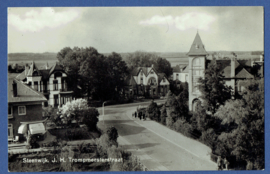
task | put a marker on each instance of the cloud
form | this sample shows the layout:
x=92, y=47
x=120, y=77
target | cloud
x=36, y=20
x=201, y=21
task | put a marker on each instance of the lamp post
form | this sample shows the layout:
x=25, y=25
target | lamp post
x=103, y=111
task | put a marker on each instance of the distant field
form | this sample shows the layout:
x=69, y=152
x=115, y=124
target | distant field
x=175, y=58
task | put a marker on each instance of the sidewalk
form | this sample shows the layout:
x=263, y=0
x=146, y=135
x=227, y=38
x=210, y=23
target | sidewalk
x=192, y=146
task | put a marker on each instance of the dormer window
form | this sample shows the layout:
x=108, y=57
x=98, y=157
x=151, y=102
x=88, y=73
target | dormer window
x=197, y=46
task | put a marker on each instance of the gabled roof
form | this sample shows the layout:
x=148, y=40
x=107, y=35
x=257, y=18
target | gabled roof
x=24, y=93
x=161, y=76
x=130, y=81
x=45, y=73
x=176, y=69
x=32, y=68
x=197, y=47
x=56, y=67
x=145, y=70
x=241, y=68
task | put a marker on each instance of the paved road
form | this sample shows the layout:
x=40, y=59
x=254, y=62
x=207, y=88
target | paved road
x=159, y=148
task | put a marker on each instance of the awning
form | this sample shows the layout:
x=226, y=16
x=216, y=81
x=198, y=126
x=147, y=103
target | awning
x=37, y=128
x=22, y=129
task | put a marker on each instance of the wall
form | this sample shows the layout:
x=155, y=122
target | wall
x=33, y=113
x=200, y=67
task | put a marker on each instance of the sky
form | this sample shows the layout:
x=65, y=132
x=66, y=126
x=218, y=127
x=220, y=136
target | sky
x=129, y=29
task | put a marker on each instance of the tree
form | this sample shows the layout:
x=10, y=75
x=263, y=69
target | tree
x=201, y=120
x=79, y=111
x=213, y=90
x=144, y=59
x=92, y=74
x=163, y=115
x=90, y=118
x=245, y=139
x=112, y=133
x=172, y=107
x=69, y=59
x=153, y=111
x=182, y=99
x=117, y=71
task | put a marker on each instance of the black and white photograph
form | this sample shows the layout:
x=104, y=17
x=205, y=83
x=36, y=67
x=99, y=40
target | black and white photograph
x=157, y=88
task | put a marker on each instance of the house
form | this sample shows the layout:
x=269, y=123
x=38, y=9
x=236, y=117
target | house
x=52, y=82
x=24, y=105
x=234, y=69
x=180, y=72
x=147, y=82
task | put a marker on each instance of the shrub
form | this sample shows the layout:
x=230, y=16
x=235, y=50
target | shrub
x=163, y=115
x=169, y=122
x=182, y=127
x=103, y=143
x=112, y=133
x=153, y=111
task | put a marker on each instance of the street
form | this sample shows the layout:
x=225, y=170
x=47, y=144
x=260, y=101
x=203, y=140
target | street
x=158, y=147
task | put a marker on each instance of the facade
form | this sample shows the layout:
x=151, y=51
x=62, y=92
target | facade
x=146, y=81
x=52, y=82
x=24, y=104
x=234, y=69
x=181, y=73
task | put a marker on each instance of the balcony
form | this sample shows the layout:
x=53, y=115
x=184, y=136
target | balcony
x=65, y=90
x=45, y=91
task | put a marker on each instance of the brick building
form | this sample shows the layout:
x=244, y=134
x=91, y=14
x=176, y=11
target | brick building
x=24, y=104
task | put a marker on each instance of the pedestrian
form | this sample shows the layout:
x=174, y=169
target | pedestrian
x=135, y=114
x=143, y=116
x=140, y=115
x=226, y=163
x=219, y=163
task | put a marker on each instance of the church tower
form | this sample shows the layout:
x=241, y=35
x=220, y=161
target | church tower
x=197, y=61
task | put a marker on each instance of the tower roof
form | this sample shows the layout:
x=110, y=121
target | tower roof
x=197, y=47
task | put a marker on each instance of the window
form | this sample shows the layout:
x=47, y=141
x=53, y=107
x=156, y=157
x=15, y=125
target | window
x=141, y=73
x=56, y=102
x=141, y=80
x=21, y=110
x=197, y=61
x=10, y=112
x=164, y=80
x=151, y=72
x=36, y=86
x=10, y=131
x=176, y=74
x=55, y=85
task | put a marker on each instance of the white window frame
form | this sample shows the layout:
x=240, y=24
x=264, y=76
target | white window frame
x=19, y=110
x=11, y=115
x=10, y=126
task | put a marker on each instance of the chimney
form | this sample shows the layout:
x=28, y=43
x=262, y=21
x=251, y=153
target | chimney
x=26, y=68
x=233, y=66
x=14, y=86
